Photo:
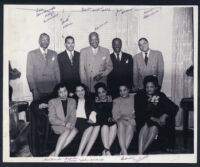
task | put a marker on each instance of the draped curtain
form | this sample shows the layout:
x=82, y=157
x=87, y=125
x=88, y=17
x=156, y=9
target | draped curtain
x=183, y=54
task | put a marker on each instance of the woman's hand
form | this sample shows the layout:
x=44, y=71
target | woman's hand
x=69, y=125
x=155, y=120
x=163, y=119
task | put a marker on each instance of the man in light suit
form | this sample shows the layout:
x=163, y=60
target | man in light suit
x=122, y=68
x=68, y=62
x=42, y=74
x=95, y=63
x=42, y=69
x=147, y=62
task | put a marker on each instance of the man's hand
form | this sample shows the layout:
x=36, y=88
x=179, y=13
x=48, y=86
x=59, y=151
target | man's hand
x=98, y=77
x=35, y=95
x=43, y=105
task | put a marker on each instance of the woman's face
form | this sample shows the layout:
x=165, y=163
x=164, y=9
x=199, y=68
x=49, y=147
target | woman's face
x=80, y=92
x=63, y=93
x=150, y=88
x=102, y=93
x=123, y=91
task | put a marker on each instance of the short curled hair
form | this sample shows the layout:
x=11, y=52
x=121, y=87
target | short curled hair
x=58, y=86
x=151, y=78
x=69, y=37
x=84, y=87
x=100, y=85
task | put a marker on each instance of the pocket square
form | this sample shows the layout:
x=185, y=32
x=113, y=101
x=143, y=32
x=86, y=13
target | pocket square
x=126, y=61
x=103, y=58
x=53, y=58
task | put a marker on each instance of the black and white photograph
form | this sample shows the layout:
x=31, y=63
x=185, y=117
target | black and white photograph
x=100, y=83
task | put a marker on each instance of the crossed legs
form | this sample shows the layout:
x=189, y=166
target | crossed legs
x=146, y=137
x=125, y=135
x=108, y=135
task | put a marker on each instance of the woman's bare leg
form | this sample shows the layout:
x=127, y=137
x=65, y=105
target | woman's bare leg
x=70, y=137
x=112, y=135
x=92, y=139
x=121, y=136
x=105, y=137
x=129, y=135
x=153, y=131
x=61, y=141
x=84, y=140
x=142, y=138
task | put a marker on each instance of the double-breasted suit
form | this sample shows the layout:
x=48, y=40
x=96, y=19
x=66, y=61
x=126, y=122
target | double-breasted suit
x=155, y=66
x=92, y=65
x=42, y=73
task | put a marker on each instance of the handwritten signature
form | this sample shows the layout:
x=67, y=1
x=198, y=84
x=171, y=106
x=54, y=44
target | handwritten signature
x=101, y=25
x=150, y=12
x=134, y=159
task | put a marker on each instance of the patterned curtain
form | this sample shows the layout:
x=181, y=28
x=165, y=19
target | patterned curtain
x=183, y=51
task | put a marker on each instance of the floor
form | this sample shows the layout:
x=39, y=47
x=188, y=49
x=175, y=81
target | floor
x=25, y=152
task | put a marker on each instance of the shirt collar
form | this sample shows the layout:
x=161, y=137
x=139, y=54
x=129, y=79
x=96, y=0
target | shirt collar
x=120, y=54
x=95, y=50
x=43, y=51
x=69, y=53
x=143, y=53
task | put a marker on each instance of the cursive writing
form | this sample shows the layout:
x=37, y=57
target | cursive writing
x=50, y=17
x=101, y=25
x=133, y=158
x=66, y=22
x=43, y=11
x=122, y=11
x=102, y=9
x=146, y=15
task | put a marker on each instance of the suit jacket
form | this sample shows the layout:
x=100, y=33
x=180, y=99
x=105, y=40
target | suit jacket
x=122, y=71
x=42, y=75
x=155, y=66
x=69, y=73
x=91, y=65
x=56, y=114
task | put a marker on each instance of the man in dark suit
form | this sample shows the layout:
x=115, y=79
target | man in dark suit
x=68, y=62
x=122, y=68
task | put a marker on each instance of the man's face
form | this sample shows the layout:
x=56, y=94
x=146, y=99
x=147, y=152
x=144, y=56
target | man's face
x=44, y=41
x=94, y=41
x=117, y=45
x=70, y=44
x=143, y=45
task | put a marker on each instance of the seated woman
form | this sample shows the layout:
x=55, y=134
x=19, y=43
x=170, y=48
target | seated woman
x=86, y=120
x=103, y=103
x=62, y=117
x=152, y=110
x=124, y=114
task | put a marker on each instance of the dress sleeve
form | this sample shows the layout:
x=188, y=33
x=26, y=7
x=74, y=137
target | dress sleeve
x=115, y=110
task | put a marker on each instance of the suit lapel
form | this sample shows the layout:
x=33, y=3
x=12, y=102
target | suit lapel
x=60, y=109
x=142, y=60
x=150, y=58
x=67, y=58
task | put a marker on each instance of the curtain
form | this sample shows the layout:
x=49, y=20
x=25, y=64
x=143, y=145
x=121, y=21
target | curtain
x=182, y=53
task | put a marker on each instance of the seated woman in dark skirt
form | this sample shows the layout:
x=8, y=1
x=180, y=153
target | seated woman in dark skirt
x=103, y=103
x=86, y=120
x=124, y=114
x=153, y=109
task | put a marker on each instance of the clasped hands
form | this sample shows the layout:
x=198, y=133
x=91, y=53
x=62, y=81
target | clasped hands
x=98, y=77
x=161, y=121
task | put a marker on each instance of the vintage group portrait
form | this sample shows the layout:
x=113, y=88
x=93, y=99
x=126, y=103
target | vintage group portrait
x=100, y=83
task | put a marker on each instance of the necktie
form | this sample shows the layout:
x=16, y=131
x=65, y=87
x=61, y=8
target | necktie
x=118, y=57
x=45, y=58
x=71, y=58
x=146, y=58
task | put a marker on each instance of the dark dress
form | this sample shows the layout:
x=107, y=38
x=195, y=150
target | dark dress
x=104, y=111
x=144, y=110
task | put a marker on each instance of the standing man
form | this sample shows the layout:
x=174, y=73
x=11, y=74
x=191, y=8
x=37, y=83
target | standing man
x=42, y=74
x=147, y=62
x=68, y=62
x=122, y=68
x=95, y=63
x=42, y=69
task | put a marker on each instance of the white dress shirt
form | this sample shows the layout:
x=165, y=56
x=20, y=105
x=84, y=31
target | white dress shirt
x=95, y=50
x=120, y=55
x=80, y=112
x=43, y=51
x=143, y=53
x=69, y=54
